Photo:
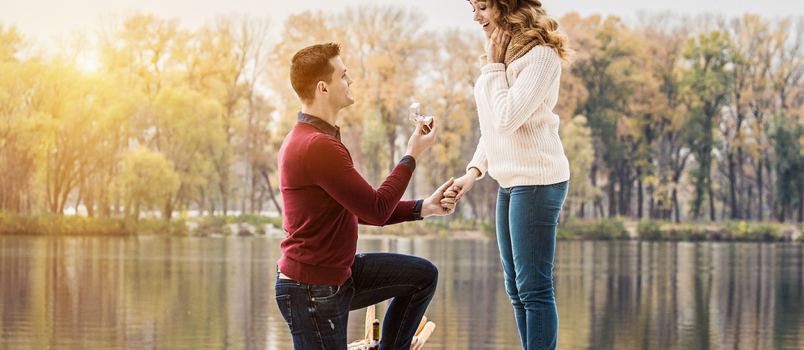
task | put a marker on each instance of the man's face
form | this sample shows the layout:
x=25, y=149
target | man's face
x=338, y=87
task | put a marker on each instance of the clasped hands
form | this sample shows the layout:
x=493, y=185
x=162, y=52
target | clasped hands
x=443, y=200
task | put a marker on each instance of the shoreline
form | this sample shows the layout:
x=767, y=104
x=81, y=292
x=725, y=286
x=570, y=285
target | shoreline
x=261, y=226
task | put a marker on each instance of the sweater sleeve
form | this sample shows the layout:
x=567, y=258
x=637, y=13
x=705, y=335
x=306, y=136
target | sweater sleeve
x=339, y=178
x=513, y=105
x=479, y=160
x=403, y=212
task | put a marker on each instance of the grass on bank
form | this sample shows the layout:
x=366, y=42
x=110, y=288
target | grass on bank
x=252, y=224
x=741, y=231
x=76, y=225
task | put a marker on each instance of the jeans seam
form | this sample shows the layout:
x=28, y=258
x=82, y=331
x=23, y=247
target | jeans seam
x=407, y=309
x=315, y=319
x=418, y=288
x=404, y=317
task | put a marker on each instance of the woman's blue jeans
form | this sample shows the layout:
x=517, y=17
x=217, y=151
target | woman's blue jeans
x=317, y=315
x=526, y=233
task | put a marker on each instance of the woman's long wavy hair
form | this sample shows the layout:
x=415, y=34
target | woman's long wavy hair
x=532, y=20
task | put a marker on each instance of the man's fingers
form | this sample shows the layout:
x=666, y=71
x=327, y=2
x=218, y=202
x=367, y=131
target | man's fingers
x=433, y=129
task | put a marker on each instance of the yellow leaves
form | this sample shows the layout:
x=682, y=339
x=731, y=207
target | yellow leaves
x=578, y=147
x=11, y=42
x=148, y=178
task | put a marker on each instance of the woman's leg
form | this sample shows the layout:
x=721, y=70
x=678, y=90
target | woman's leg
x=532, y=220
x=507, y=259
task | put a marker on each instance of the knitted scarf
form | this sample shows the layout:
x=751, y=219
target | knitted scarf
x=518, y=47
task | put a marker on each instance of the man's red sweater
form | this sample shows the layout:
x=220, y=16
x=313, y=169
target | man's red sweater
x=324, y=200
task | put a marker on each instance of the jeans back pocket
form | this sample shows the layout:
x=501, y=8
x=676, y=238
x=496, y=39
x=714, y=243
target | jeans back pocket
x=283, y=301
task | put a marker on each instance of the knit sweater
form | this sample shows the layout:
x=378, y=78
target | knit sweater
x=519, y=143
x=325, y=198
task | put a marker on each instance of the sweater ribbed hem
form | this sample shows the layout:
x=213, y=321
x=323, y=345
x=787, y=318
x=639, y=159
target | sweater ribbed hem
x=525, y=180
x=311, y=274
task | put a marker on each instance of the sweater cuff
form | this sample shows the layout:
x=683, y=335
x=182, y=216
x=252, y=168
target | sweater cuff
x=409, y=161
x=493, y=67
x=417, y=210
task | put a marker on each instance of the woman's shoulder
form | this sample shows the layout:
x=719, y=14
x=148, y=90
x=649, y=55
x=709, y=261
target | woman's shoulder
x=538, y=55
x=541, y=52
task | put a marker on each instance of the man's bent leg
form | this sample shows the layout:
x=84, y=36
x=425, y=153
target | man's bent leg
x=317, y=315
x=410, y=280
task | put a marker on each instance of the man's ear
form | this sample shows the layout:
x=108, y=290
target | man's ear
x=321, y=88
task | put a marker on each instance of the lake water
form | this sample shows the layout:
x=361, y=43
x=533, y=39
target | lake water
x=217, y=293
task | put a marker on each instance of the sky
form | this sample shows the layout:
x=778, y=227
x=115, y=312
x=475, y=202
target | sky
x=44, y=20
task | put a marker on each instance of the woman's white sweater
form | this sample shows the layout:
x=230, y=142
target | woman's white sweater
x=519, y=143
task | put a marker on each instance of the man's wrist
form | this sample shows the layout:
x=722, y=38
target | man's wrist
x=417, y=210
x=410, y=161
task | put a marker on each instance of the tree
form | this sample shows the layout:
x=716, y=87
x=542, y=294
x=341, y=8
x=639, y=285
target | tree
x=187, y=131
x=789, y=165
x=664, y=40
x=605, y=66
x=577, y=140
x=149, y=181
x=21, y=126
x=707, y=88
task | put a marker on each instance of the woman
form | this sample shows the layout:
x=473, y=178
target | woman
x=520, y=148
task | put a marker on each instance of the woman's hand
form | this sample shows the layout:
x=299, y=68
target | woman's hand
x=463, y=184
x=497, y=48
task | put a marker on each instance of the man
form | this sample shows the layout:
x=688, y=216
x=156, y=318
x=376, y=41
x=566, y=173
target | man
x=320, y=278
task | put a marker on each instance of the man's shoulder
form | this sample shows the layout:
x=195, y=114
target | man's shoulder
x=309, y=145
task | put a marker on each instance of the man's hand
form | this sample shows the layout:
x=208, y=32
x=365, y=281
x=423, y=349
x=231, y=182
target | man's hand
x=438, y=204
x=419, y=141
x=462, y=185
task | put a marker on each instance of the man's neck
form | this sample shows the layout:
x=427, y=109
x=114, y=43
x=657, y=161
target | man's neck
x=326, y=114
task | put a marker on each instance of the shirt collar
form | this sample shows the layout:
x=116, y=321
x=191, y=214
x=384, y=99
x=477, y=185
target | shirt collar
x=327, y=128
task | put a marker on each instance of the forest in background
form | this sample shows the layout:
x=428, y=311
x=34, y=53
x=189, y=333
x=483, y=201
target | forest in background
x=670, y=118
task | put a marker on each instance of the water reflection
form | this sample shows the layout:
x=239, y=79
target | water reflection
x=217, y=293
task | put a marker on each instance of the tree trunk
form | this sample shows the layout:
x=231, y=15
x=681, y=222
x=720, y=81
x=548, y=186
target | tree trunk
x=612, y=195
x=735, y=212
x=711, y=199
x=675, y=205
x=760, y=210
x=271, y=192
x=744, y=196
x=769, y=168
x=639, y=196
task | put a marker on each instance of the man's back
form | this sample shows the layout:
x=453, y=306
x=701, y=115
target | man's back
x=324, y=198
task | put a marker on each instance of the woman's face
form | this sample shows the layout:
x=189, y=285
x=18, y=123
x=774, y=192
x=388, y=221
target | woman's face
x=482, y=15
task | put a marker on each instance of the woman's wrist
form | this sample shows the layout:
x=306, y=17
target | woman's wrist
x=473, y=173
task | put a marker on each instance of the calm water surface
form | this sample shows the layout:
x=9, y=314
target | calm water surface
x=217, y=293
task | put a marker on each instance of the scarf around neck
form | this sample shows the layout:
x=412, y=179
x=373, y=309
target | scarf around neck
x=520, y=45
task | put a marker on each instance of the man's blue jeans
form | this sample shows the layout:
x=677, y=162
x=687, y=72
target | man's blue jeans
x=526, y=233
x=317, y=315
